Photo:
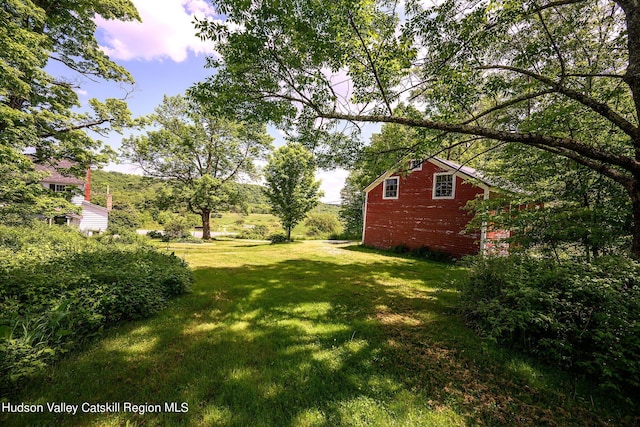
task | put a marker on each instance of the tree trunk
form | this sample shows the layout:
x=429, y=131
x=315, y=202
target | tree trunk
x=288, y=234
x=206, y=227
x=635, y=209
x=632, y=78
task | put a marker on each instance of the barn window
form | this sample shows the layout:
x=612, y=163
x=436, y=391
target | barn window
x=415, y=165
x=390, y=190
x=443, y=186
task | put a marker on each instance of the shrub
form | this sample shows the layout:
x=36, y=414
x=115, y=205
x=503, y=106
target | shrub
x=345, y=236
x=121, y=221
x=155, y=234
x=176, y=228
x=278, y=238
x=425, y=252
x=322, y=223
x=60, y=289
x=399, y=249
x=576, y=315
x=258, y=232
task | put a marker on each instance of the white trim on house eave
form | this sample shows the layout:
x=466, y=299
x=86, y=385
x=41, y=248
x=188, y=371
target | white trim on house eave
x=475, y=180
x=92, y=205
x=378, y=180
x=456, y=172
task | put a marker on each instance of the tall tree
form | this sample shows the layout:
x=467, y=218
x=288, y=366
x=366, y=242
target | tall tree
x=291, y=186
x=559, y=76
x=201, y=155
x=36, y=108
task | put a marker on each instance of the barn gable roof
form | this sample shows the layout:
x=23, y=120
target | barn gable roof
x=464, y=172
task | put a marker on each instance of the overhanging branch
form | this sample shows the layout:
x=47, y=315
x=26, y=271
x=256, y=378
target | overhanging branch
x=601, y=108
x=535, y=140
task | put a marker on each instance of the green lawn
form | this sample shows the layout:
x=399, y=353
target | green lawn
x=309, y=334
x=229, y=222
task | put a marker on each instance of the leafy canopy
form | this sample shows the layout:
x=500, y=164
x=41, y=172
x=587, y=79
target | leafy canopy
x=562, y=77
x=201, y=155
x=37, y=110
x=290, y=184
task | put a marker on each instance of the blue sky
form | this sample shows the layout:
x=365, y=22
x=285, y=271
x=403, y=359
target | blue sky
x=165, y=57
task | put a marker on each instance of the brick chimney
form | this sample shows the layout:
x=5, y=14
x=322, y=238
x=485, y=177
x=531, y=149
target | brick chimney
x=109, y=200
x=87, y=186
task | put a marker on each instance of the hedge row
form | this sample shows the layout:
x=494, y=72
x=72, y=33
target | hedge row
x=59, y=289
x=571, y=314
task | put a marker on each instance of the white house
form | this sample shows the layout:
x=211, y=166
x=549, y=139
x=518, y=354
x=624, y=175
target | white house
x=93, y=218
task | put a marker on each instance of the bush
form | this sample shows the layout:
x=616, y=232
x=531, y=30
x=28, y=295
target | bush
x=60, y=289
x=576, y=315
x=258, y=232
x=121, y=221
x=400, y=249
x=425, y=252
x=176, y=228
x=345, y=236
x=278, y=238
x=322, y=224
x=155, y=234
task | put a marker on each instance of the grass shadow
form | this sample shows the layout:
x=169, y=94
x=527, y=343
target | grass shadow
x=307, y=342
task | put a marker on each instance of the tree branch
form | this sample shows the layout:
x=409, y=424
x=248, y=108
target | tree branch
x=72, y=128
x=555, y=4
x=555, y=46
x=603, y=109
x=508, y=103
x=372, y=64
x=536, y=140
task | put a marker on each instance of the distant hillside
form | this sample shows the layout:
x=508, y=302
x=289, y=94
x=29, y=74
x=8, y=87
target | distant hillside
x=140, y=191
x=128, y=189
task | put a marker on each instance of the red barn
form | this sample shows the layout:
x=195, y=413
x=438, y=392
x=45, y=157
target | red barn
x=425, y=208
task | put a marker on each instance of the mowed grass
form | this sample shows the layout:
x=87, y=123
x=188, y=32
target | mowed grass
x=309, y=334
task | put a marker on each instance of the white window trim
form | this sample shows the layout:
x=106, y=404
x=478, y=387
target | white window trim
x=417, y=168
x=58, y=188
x=453, y=186
x=384, y=188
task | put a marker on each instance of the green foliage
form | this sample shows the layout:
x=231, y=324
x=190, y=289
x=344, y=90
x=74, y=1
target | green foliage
x=139, y=192
x=59, y=289
x=276, y=238
x=425, y=252
x=177, y=227
x=571, y=314
x=400, y=249
x=479, y=76
x=352, y=208
x=201, y=156
x=290, y=184
x=322, y=224
x=572, y=211
x=258, y=232
x=122, y=220
x=154, y=234
x=36, y=108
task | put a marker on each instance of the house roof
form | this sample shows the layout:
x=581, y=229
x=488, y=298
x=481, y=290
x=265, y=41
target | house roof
x=465, y=172
x=55, y=175
x=98, y=208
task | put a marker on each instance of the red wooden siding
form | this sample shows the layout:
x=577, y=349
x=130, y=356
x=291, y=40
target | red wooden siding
x=415, y=219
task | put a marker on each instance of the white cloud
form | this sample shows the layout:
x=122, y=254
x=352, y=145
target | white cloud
x=128, y=168
x=166, y=31
x=332, y=183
